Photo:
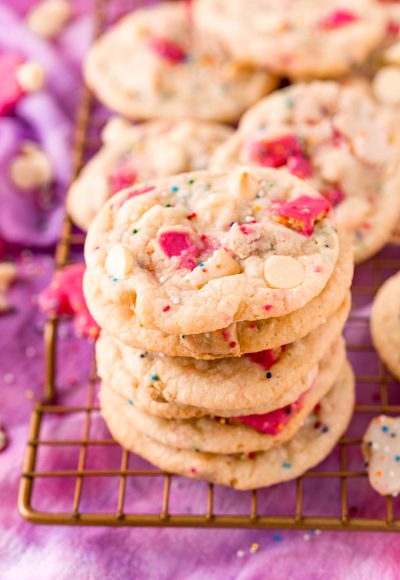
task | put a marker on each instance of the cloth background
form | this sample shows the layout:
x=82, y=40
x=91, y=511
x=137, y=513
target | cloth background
x=41, y=552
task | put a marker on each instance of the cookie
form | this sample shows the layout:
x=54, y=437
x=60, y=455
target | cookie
x=237, y=339
x=198, y=251
x=381, y=449
x=302, y=39
x=308, y=447
x=337, y=138
x=241, y=434
x=134, y=153
x=227, y=387
x=385, y=324
x=155, y=64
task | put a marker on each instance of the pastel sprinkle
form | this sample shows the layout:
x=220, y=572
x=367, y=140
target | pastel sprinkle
x=191, y=181
x=385, y=428
x=166, y=308
x=268, y=307
x=174, y=188
x=397, y=458
x=286, y=465
x=277, y=538
x=155, y=378
x=268, y=375
x=134, y=231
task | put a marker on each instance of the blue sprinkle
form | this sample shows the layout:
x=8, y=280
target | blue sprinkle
x=154, y=378
x=385, y=428
x=130, y=402
x=174, y=188
x=286, y=465
x=268, y=374
x=397, y=458
x=325, y=429
x=115, y=279
x=277, y=538
x=201, y=265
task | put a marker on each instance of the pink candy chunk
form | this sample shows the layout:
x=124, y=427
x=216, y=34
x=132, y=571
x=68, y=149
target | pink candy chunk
x=281, y=151
x=334, y=195
x=64, y=297
x=168, y=50
x=272, y=423
x=301, y=213
x=176, y=244
x=10, y=92
x=265, y=358
x=123, y=175
x=338, y=19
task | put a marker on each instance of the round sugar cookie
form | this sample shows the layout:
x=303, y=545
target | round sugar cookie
x=251, y=433
x=337, y=138
x=237, y=339
x=296, y=38
x=188, y=253
x=154, y=63
x=385, y=324
x=151, y=401
x=134, y=153
x=307, y=448
x=236, y=386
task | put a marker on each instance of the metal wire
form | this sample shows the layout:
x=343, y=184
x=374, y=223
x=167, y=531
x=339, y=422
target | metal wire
x=90, y=120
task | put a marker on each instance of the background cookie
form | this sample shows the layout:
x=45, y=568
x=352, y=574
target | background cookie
x=195, y=252
x=381, y=449
x=301, y=39
x=284, y=462
x=338, y=139
x=154, y=63
x=385, y=323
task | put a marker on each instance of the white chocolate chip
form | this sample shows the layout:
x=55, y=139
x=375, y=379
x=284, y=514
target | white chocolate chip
x=386, y=85
x=115, y=129
x=31, y=169
x=219, y=265
x=283, y=272
x=242, y=184
x=49, y=17
x=392, y=54
x=119, y=261
x=30, y=77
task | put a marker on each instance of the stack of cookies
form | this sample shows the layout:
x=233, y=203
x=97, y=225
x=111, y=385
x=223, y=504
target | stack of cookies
x=222, y=297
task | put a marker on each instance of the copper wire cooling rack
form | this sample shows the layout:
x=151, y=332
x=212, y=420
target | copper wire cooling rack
x=340, y=483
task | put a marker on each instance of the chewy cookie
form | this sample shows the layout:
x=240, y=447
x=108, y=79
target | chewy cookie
x=237, y=339
x=381, y=449
x=155, y=63
x=301, y=38
x=134, y=153
x=338, y=139
x=255, y=383
x=385, y=324
x=257, y=432
x=196, y=252
x=309, y=446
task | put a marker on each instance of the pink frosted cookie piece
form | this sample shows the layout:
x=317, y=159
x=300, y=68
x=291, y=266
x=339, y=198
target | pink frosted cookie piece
x=179, y=244
x=64, y=297
x=168, y=50
x=338, y=19
x=302, y=213
x=334, y=195
x=272, y=423
x=123, y=175
x=10, y=92
x=281, y=151
x=265, y=358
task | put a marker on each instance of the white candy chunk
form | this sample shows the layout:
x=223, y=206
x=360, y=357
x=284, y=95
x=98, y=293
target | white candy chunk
x=31, y=169
x=49, y=17
x=283, y=272
x=381, y=449
x=242, y=184
x=30, y=77
x=116, y=128
x=386, y=85
x=119, y=261
x=392, y=54
x=219, y=265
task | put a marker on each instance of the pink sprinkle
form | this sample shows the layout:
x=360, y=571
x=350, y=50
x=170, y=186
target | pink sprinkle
x=123, y=175
x=301, y=213
x=265, y=358
x=393, y=28
x=166, y=308
x=272, y=423
x=334, y=195
x=10, y=92
x=232, y=344
x=191, y=216
x=193, y=470
x=338, y=19
x=168, y=50
x=175, y=243
x=318, y=269
x=245, y=230
x=267, y=307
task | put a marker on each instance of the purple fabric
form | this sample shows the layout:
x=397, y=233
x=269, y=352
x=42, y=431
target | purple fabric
x=40, y=552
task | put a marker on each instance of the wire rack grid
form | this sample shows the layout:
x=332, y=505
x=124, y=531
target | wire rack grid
x=342, y=480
